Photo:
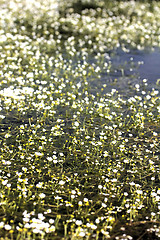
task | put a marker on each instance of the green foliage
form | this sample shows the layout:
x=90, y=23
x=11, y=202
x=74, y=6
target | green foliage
x=79, y=155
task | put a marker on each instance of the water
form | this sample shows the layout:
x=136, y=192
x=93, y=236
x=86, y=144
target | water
x=151, y=67
x=137, y=65
x=128, y=69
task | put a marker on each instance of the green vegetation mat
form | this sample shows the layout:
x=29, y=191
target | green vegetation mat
x=79, y=158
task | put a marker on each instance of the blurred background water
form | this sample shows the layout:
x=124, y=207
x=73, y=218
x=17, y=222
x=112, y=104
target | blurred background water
x=142, y=64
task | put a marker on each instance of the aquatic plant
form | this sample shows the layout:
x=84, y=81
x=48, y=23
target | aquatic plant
x=79, y=157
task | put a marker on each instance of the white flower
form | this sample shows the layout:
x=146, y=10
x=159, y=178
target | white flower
x=40, y=216
x=80, y=203
x=57, y=198
x=51, y=221
x=1, y=224
x=78, y=222
x=105, y=154
x=139, y=191
x=104, y=205
x=26, y=219
x=113, y=91
x=153, y=194
x=97, y=221
x=148, y=97
x=137, y=86
x=4, y=182
x=93, y=226
x=7, y=227
x=7, y=135
x=114, y=180
x=42, y=195
x=125, y=194
x=61, y=182
x=52, y=229
x=106, y=180
x=38, y=154
x=82, y=234
x=49, y=159
x=155, y=134
x=76, y=124
x=39, y=185
x=85, y=199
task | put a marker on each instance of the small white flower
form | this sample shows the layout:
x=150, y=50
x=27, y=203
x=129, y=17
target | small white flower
x=97, y=221
x=76, y=124
x=7, y=135
x=38, y=154
x=78, y=222
x=39, y=185
x=125, y=194
x=104, y=205
x=26, y=219
x=7, y=227
x=82, y=234
x=1, y=224
x=4, y=182
x=155, y=134
x=105, y=154
x=93, y=226
x=80, y=203
x=51, y=221
x=52, y=229
x=61, y=182
x=113, y=91
x=106, y=180
x=85, y=199
x=40, y=216
x=114, y=180
x=42, y=195
x=153, y=194
x=148, y=97
x=137, y=86
x=139, y=191
x=73, y=192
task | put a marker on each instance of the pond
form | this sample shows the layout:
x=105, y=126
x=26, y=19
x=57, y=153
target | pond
x=125, y=69
x=142, y=64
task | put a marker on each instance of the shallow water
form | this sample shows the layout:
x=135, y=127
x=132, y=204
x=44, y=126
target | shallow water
x=138, y=64
x=127, y=69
